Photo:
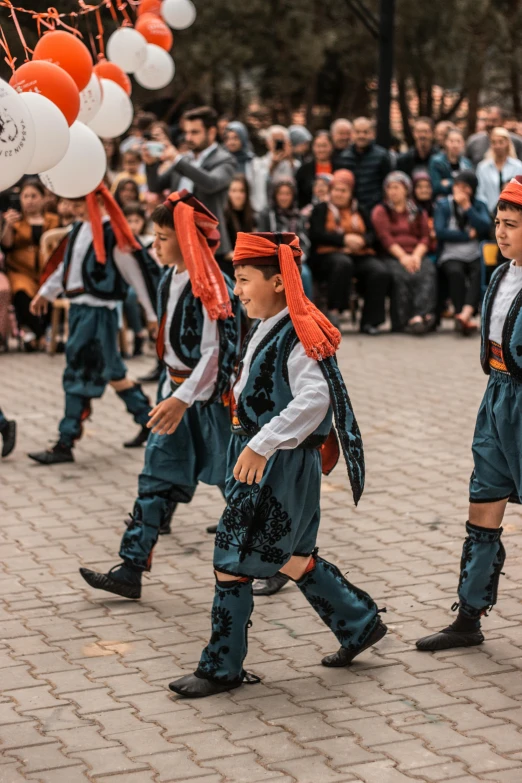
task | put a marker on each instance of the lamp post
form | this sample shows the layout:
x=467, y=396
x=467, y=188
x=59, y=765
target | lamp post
x=382, y=31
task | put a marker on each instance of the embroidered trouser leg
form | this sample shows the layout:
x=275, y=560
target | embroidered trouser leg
x=174, y=465
x=77, y=410
x=483, y=556
x=137, y=403
x=348, y=611
x=222, y=659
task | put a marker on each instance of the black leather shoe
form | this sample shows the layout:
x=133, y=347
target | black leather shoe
x=153, y=376
x=448, y=638
x=270, y=586
x=112, y=584
x=193, y=687
x=8, y=438
x=344, y=657
x=165, y=528
x=54, y=456
x=212, y=530
x=139, y=440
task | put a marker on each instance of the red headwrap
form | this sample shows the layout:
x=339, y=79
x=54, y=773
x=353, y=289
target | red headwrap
x=125, y=239
x=318, y=336
x=343, y=177
x=198, y=236
x=513, y=191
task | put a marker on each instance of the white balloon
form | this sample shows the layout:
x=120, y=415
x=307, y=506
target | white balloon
x=115, y=114
x=178, y=14
x=90, y=100
x=81, y=169
x=17, y=136
x=158, y=70
x=51, y=132
x=127, y=48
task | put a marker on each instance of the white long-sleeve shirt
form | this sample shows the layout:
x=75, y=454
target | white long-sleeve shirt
x=508, y=288
x=311, y=397
x=201, y=383
x=127, y=266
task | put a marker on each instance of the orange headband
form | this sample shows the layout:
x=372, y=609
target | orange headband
x=513, y=191
x=125, y=239
x=318, y=336
x=197, y=234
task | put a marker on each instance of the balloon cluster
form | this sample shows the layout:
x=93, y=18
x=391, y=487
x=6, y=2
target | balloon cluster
x=57, y=107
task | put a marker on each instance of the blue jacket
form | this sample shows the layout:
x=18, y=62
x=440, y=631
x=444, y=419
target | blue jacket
x=477, y=217
x=440, y=168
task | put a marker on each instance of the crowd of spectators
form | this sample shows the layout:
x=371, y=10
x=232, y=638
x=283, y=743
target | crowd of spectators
x=381, y=231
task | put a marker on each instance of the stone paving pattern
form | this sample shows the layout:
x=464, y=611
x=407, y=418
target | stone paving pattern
x=83, y=677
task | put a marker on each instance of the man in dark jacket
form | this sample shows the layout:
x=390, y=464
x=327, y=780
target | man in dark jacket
x=369, y=163
x=206, y=171
x=418, y=156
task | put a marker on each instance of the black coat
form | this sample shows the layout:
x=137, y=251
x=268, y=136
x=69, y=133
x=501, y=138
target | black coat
x=370, y=167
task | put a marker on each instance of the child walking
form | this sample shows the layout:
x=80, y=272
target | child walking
x=198, y=343
x=95, y=273
x=497, y=442
x=287, y=388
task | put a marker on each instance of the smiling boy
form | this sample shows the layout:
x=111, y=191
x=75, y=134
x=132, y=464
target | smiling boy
x=497, y=446
x=197, y=342
x=287, y=385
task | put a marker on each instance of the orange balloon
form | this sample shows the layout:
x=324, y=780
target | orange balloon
x=50, y=81
x=107, y=70
x=155, y=31
x=68, y=52
x=149, y=7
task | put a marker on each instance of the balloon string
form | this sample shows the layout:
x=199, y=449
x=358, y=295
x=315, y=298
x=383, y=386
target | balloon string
x=10, y=60
x=99, y=37
x=18, y=30
x=108, y=4
x=127, y=21
x=53, y=14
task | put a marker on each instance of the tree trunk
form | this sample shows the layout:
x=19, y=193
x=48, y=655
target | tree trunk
x=405, y=111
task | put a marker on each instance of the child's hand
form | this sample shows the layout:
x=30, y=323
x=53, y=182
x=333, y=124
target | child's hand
x=250, y=467
x=166, y=416
x=39, y=305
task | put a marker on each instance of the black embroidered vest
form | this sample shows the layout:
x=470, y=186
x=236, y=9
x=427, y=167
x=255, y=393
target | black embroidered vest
x=512, y=330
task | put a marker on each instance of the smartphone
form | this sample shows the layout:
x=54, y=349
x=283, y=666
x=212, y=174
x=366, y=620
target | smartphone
x=279, y=145
x=154, y=148
x=14, y=201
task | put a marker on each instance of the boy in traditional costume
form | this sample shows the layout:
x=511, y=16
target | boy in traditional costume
x=94, y=265
x=287, y=386
x=198, y=342
x=497, y=442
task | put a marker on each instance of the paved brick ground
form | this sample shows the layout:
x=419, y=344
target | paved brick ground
x=83, y=678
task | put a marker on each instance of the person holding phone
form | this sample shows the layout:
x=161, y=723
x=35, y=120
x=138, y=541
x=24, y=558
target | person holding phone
x=24, y=223
x=277, y=164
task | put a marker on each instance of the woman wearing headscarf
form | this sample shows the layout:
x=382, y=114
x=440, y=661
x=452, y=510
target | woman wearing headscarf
x=403, y=232
x=278, y=163
x=342, y=240
x=499, y=166
x=321, y=163
x=238, y=144
x=461, y=222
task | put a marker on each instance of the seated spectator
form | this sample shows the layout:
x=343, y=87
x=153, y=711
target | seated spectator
x=20, y=241
x=320, y=193
x=5, y=301
x=423, y=197
x=498, y=167
x=238, y=144
x=478, y=144
x=239, y=215
x=402, y=230
x=444, y=166
x=132, y=168
x=50, y=240
x=341, y=132
x=418, y=156
x=126, y=192
x=461, y=223
x=368, y=162
x=321, y=163
x=283, y=216
x=278, y=163
x=300, y=139
x=341, y=249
